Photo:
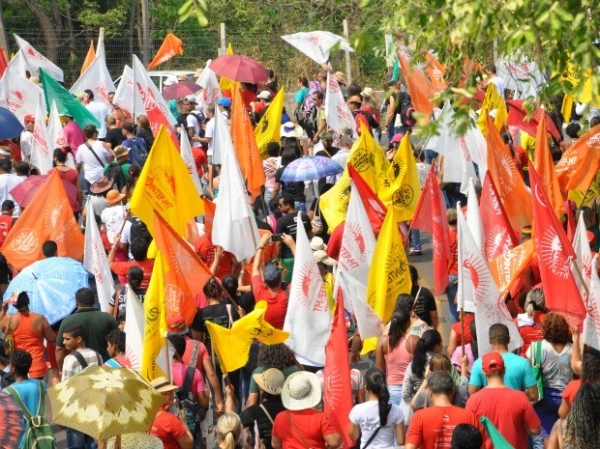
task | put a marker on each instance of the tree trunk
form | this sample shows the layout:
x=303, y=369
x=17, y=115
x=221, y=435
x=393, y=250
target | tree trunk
x=133, y=19
x=48, y=30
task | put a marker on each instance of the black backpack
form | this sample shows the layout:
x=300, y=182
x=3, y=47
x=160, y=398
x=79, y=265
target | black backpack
x=405, y=109
x=115, y=174
x=188, y=402
x=138, y=152
x=139, y=230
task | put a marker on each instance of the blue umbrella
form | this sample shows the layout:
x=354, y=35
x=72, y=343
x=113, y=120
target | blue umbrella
x=51, y=284
x=10, y=126
x=309, y=168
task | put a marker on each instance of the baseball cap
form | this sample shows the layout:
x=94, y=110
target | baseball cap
x=264, y=95
x=191, y=99
x=225, y=102
x=29, y=118
x=397, y=138
x=271, y=273
x=492, y=362
x=176, y=325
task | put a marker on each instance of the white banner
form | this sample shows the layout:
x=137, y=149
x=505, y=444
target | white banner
x=185, y=150
x=96, y=78
x=34, y=61
x=338, y=114
x=41, y=154
x=19, y=95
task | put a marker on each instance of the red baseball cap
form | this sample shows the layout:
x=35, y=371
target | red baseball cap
x=176, y=325
x=29, y=118
x=492, y=362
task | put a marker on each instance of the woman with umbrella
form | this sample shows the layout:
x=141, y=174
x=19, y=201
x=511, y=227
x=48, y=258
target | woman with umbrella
x=27, y=330
x=66, y=173
x=294, y=189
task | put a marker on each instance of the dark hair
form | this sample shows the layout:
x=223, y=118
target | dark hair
x=375, y=383
x=273, y=149
x=143, y=121
x=85, y=297
x=230, y=285
x=135, y=276
x=405, y=302
x=398, y=325
x=303, y=80
x=22, y=168
x=89, y=131
x=582, y=430
x=319, y=95
x=21, y=362
x=117, y=338
x=491, y=68
x=289, y=155
x=271, y=73
x=572, y=130
x=466, y=436
x=275, y=356
x=429, y=340
x=212, y=289
x=288, y=200
x=74, y=330
x=139, y=249
x=414, y=274
x=499, y=334
x=89, y=93
x=6, y=165
x=474, y=347
x=178, y=342
x=129, y=127
x=22, y=304
x=60, y=154
x=49, y=248
x=8, y=205
x=354, y=89
x=594, y=121
x=440, y=382
x=555, y=329
x=590, y=368
x=274, y=207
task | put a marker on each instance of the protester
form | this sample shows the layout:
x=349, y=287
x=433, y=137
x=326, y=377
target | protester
x=26, y=137
x=139, y=250
x=8, y=181
x=229, y=430
x=144, y=131
x=441, y=362
x=424, y=306
x=98, y=110
x=288, y=224
x=172, y=429
x=67, y=173
x=92, y=156
x=466, y=436
x=115, y=346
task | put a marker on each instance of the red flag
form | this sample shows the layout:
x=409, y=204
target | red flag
x=545, y=168
x=419, y=87
x=517, y=117
x=170, y=47
x=555, y=254
x=571, y=207
x=499, y=236
x=337, y=387
x=430, y=216
x=373, y=205
x=3, y=61
x=187, y=273
x=577, y=167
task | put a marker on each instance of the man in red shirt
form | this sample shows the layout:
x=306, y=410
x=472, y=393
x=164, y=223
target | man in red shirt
x=432, y=427
x=206, y=250
x=139, y=251
x=509, y=410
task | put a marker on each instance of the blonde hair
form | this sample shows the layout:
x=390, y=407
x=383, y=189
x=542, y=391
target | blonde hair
x=229, y=429
x=535, y=300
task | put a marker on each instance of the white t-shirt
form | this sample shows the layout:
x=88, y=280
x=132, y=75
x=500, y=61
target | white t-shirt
x=8, y=182
x=92, y=169
x=126, y=237
x=209, y=131
x=26, y=142
x=499, y=83
x=113, y=217
x=366, y=416
x=100, y=111
x=192, y=122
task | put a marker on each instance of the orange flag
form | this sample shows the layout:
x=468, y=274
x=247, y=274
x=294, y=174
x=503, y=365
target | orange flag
x=186, y=275
x=47, y=217
x=170, y=47
x=89, y=58
x=244, y=142
x=509, y=266
x=209, y=215
x=436, y=72
x=507, y=179
x=577, y=166
x=544, y=166
x=419, y=87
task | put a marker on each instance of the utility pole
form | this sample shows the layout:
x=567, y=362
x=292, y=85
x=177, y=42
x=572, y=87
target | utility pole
x=347, y=37
x=145, y=33
x=3, y=35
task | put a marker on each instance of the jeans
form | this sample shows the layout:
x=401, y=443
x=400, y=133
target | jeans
x=246, y=373
x=451, y=291
x=85, y=185
x=395, y=394
x=79, y=440
x=268, y=196
x=415, y=237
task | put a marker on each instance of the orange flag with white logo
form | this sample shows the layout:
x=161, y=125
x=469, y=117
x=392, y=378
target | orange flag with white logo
x=89, y=58
x=509, y=266
x=48, y=216
x=544, y=166
x=436, y=72
x=419, y=87
x=170, y=47
x=508, y=180
x=186, y=274
x=578, y=165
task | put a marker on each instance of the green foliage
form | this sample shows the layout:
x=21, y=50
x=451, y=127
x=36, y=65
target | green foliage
x=112, y=18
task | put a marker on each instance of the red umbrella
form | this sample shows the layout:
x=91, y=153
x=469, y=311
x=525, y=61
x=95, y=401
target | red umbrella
x=180, y=89
x=239, y=68
x=517, y=118
x=24, y=192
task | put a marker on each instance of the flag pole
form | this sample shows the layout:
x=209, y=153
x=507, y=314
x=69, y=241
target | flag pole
x=462, y=329
x=134, y=89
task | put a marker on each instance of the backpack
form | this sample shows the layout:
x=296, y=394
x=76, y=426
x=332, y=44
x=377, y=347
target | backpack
x=188, y=402
x=6, y=223
x=138, y=153
x=39, y=434
x=115, y=174
x=139, y=230
x=362, y=117
x=308, y=120
x=405, y=109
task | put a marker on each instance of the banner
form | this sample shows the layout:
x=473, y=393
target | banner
x=35, y=61
x=185, y=150
x=591, y=325
x=419, y=87
x=41, y=153
x=374, y=208
x=126, y=97
x=369, y=324
x=338, y=114
x=577, y=167
x=97, y=79
x=134, y=329
x=508, y=267
x=18, y=95
x=56, y=133
x=170, y=47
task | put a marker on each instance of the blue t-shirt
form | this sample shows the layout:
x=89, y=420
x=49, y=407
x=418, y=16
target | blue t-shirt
x=29, y=392
x=301, y=95
x=518, y=376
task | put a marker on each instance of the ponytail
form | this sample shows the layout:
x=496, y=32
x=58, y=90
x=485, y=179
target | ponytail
x=376, y=384
x=430, y=339
x=398, y=325
x=229, y=429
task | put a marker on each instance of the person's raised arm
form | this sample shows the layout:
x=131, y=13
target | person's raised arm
x=289, y=241
x=257, y=264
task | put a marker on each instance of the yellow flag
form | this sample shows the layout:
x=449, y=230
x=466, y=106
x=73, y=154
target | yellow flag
x=155, y=318
x=388, y=274
x=226, y=83
x=492, y=100
x=165, y=186
x=233, y=345
x=269, y=127
x=586, y=93
x=567, y=108
x=402, y=186
x=577, y=196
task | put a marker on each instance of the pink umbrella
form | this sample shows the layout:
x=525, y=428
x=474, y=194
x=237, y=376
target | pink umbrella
x=239, y=68
x=24, y=192
x=180, y=89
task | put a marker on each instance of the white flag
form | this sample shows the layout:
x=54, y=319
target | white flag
x=18, y=95
x=369, y=324
x=96, y=262
x=18, y=64
x=125, y=94
x=41, y=154
x=476, y=284
x=474, y=217
x=134, y=328
x=97, y=79
x=55, y=129
x=234, y=225
x=338, y=114
x=211, y=91
x=317, y=44
x=308, y=317
x=583, y=260
x=100, y=46
x=591, y=325
x=186, y=154
x=34, y=61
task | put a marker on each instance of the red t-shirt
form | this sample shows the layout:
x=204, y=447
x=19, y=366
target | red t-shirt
x=311, y=424
x=206, y=250
x=121, y=269
x=276, y=303
x=457, y=328
x=571, y=390
x=202, y=353
x=168, y=428
x=248, y=96
x=531, y=333
x=509, y=410
x=200, y=159
x=335, y=242
x=432, y=427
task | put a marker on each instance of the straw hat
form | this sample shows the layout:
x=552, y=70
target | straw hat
x=367, y=92
x=341, y=78
x=291, y=130
x=121, y=151
x=270, y=381
x=113, y=197
x=198, y=72
x=317, y=243
x=102, y=185
x=162, y=385
x=321, y=256
x=301, y=391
